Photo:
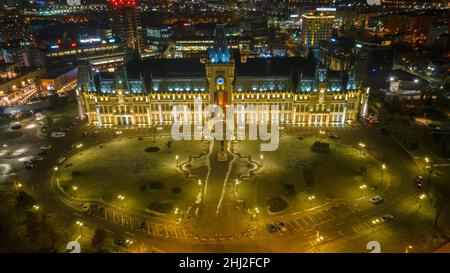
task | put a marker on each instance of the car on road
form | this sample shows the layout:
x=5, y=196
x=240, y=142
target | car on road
x=43, y=152
x=38, y=158
x=121, y=242
x=433, y=126
x=376, y=200
x=387, y=217
x=46, y=147
x=16, y=125
x=272, y=228
x=418, y=180
x=60, y=160
x=86, y=206
x=333, y=136
x=58, y=134
x=280, y=225
x=29, y=165
x=383, y=131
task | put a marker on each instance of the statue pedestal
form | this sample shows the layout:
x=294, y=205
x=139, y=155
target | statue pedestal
x=222, y=156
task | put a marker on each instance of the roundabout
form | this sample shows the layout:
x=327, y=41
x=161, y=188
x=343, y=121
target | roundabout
x=183, y=192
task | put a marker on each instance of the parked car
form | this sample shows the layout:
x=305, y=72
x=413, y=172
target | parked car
x=58, y=134
x=38, y=158
x=43, y=152
x=387, y=217
x=121, y=242
x=280, y=225
x=60, y=160
x=16, y=125
x=333, y=136
x=86, y=206
x=272, y=228
x=383, y=131
x=46, y=147
x=376, y=200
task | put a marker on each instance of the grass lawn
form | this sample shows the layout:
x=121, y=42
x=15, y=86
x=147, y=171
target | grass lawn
x=123, y=167
x=294, y=172
x=10, y=135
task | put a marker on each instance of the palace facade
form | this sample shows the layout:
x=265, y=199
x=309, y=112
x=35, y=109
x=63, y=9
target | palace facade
x=143, y=92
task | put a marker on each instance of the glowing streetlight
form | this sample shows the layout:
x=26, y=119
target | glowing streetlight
x=36, y=207
x=176, y=158
x=318, y=240
x=362, y=188
x=176, y=210
x=80, y=226
x=121, y=198
x=408, y=248
x=55, y=168
x=74, y=188
x=427, y=160
x=421, y=198
x=311, y=198
x=362, y=146
x=375, y=223
x=262, y=158
x=237, y=182
x=199, y=182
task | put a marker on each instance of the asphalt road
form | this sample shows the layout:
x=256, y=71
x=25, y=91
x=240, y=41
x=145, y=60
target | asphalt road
x=400, y=199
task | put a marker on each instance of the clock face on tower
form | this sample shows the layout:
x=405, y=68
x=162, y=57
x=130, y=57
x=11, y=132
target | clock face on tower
x=220, y=80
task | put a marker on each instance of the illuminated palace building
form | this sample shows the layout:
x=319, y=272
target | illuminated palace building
x=143, y=92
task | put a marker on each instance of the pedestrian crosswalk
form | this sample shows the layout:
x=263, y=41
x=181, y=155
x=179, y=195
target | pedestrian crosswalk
x=308, y=220
x=305, y=222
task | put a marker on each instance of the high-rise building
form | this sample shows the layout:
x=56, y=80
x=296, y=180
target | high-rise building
x=126, y=24
x=316, y=27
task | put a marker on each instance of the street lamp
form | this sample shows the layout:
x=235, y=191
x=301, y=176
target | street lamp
x=176, y=158
x=421, y=197
x=374, y=223
x=362, y=146
x=18, y=186
x=262, y=158
x=199, y=182
x=383, y=168
x=311, y=198
x=121, y=198
x=430, y=168
x=80, y=225
x=408, y=248
x=322, y=133
x=176, y=210
x=55, y=168
x=36, y=207
x=318, y=240
x=362, y=187
x=74, y=188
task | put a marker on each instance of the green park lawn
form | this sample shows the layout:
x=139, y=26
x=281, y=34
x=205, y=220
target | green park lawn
x=10, y=135
x=294, y=172
x=123, y=167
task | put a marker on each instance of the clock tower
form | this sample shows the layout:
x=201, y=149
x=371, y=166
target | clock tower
x=220, y=71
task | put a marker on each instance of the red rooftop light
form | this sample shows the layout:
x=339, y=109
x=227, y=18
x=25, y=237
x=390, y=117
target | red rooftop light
x=131, y=3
